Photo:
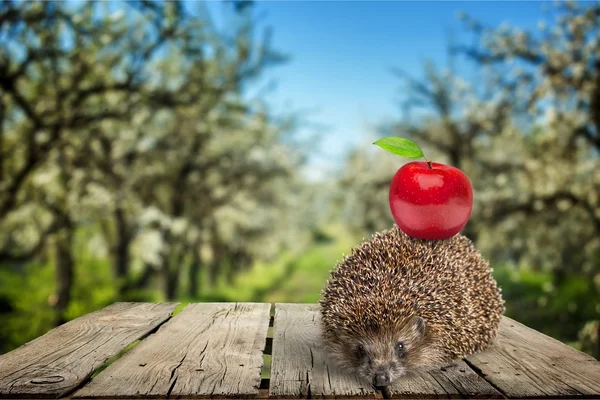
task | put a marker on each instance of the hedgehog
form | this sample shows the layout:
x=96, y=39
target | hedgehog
x=397, y=303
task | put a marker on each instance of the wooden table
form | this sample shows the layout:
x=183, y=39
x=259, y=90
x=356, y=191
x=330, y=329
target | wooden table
x=218, y=350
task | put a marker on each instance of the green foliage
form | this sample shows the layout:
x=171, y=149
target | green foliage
x=127, y=130
x=94, y=288
x=526, y=130
x=291, y=277
x=310, y=270
x=535, y=298
x=134, y=166
x=28, y=292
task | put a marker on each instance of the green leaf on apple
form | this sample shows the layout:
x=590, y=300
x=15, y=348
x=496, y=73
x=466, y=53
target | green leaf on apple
x=400, y=146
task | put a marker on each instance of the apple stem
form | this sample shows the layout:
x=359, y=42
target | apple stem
x=428, y=163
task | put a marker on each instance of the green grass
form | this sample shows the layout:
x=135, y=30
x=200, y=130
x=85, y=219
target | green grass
x=294, y=278
x=114, y=358
x=557, y=308
x=179, y=307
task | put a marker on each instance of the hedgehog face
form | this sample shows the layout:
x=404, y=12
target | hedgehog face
x=381, y=357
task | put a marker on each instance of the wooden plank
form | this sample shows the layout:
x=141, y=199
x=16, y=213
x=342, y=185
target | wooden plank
x=457, y=380
x=526, y=363
x=300, y=367
x=56, y=363
x=207, y=350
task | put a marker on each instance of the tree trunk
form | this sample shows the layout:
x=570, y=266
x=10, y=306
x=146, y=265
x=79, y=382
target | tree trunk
x=121, y=259
x=597, y=355
x=121, y=248
x=171, y=279
x=218, y=250
x=238, y=260
x=64, y=274
x=247, y=262
x=597, y=349
x=172, y=268
x=1, y=140
x=142, y=281
x=213, y=270
x=194, y=274
x=232, y=270
x=455, y=155
x=470, y=232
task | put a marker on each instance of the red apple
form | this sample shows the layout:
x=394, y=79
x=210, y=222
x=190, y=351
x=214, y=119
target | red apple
x=430, y=200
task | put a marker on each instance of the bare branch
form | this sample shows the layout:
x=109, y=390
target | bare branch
x=7, y=254
x=504, y=210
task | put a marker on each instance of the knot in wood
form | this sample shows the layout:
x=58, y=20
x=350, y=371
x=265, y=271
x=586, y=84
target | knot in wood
x=45, y=380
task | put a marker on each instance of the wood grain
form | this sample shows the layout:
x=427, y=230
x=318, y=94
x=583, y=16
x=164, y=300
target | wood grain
x=525, y=363
x=300, y=367
x=207, y=350
x=457, y=380
x=56, y=363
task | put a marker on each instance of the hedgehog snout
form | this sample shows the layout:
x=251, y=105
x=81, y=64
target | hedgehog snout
x=381, y=378
x=385, y=374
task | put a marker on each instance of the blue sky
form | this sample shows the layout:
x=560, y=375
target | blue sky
x=342, y=52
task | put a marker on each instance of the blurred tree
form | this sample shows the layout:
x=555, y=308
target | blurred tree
x=364, y=187
x=68, y=70
x=127, y=127
x=553, y=77
x=525, y=131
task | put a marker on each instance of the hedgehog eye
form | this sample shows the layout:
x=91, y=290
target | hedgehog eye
x=400, y=349
x=360, y=352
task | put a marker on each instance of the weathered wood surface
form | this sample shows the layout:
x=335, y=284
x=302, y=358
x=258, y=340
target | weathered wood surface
x=525, y=363
x=300, y=368
x=216, y=350
x=457, y=380
x=207, y=350
x=62, y=359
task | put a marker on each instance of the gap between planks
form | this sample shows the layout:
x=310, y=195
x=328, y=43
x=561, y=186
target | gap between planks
x=119, y=355
x=264, y=384
x=379, y=393
x=207, y=350
x=180, y=307
x=479, y=372
x=62, y=360
x=386, y=393
x=267, y=350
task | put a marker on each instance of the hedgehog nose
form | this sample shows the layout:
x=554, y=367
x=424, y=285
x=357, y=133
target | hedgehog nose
x=381, y=379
